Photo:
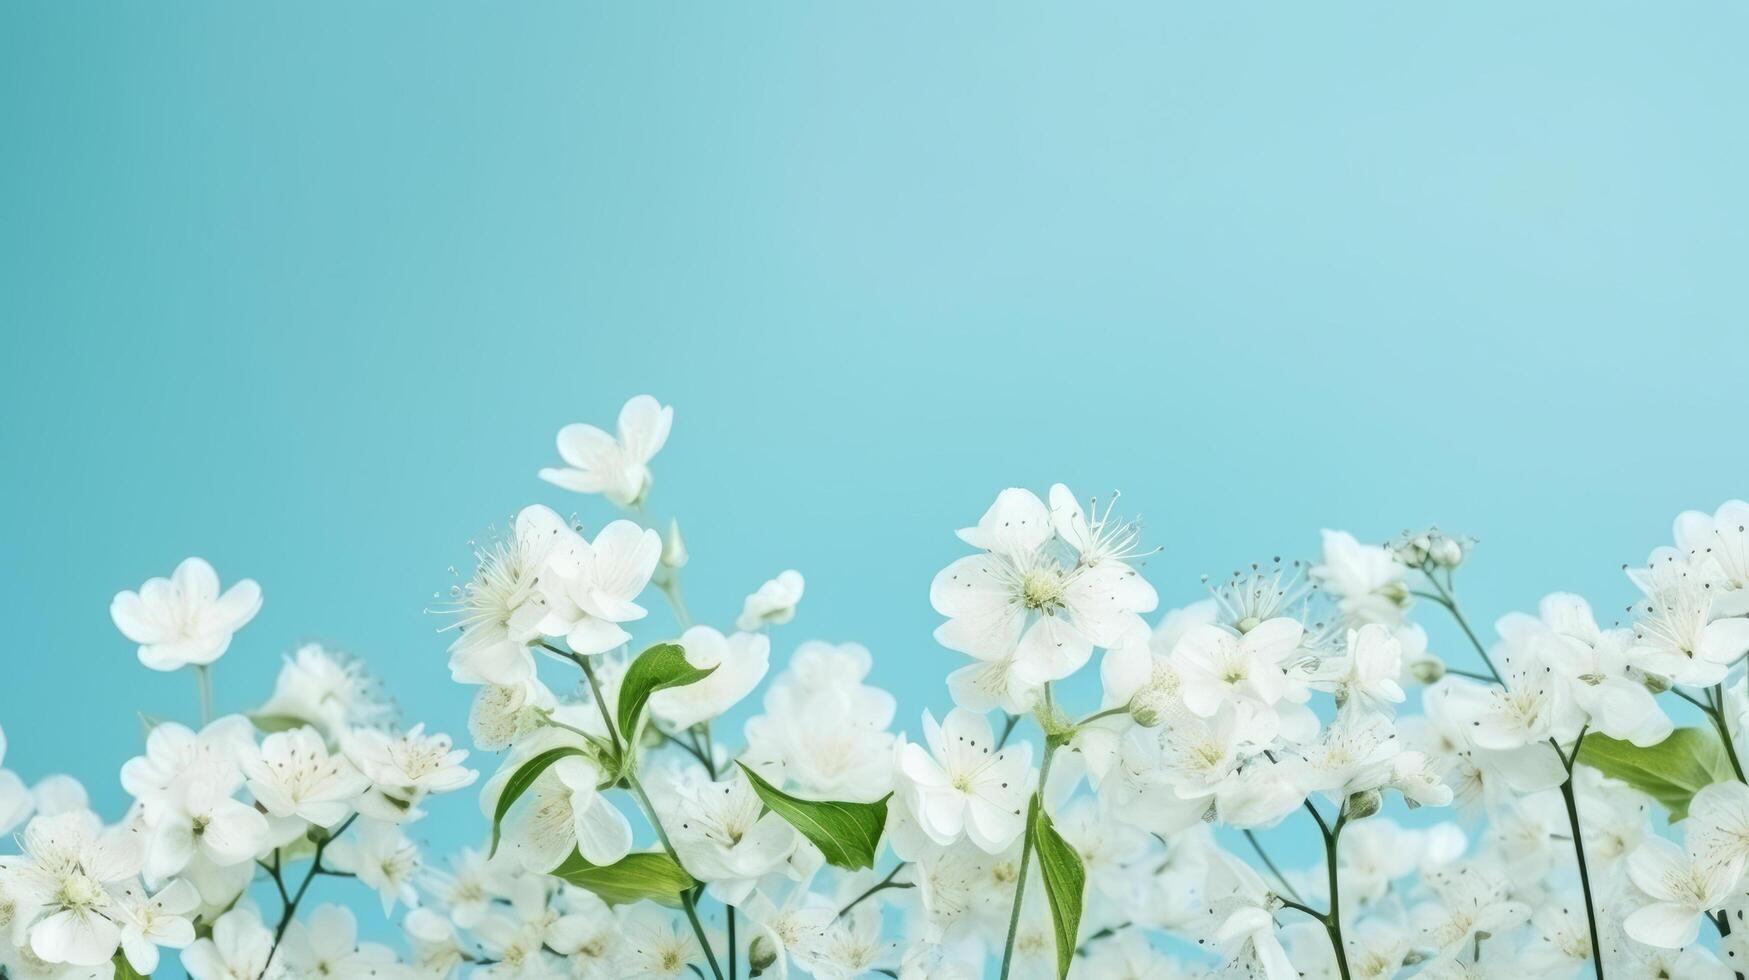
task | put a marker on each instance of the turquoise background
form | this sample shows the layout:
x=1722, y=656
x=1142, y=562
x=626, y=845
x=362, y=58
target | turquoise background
x=307, y=290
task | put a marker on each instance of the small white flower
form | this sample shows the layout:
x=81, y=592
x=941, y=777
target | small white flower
x=183, y=619
x=962, y=785
x=618, y=469
x=72, y=864
x=293, y=775
x=1366, y=580
x=1370, y=670
x=404, y=768
x=159, y=920
x=562, y=811
x=739, y=661
x=1216, y=667
x=1354, y=755
x=1677, y=637
x=382, y=858
x=726, y=837
x=591, y=587
x=327, y=946
x=824, y=731
x=237, y=950
x=1718, y=823
x=655, y=945
x=199, y=818
x=330, y=691
x=498, y=612
x=1719, y=544
x=1682, y=889
x=774, y=604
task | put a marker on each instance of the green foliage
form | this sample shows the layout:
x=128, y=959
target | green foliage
x=519, y=783
x=633, y=878
x=848, y=834
x=660, y=667
x=1065, y=884
x=1671, y=772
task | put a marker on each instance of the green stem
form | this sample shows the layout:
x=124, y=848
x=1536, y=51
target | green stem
x=686, y=899
x=1716, y=698
x=881, y=885
x=1044, y=773
x=1448, y=599
x=1333, y=922
x=582, y=663
x=203, y=685
x=1257, y=846
x=1107, y=713
x=1579, y=853
x=290, y=909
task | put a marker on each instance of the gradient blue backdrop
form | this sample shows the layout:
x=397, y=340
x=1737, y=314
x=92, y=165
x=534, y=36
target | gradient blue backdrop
x=307, y=289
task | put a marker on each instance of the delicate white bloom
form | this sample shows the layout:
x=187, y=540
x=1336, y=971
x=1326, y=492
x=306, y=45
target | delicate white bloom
x=1675, y=635
x=737, y=664
x=72, y=864
x=183, y=619
x=962, y=784
x=823, y=730
x=331, y=691
x=327, y=946
x=1216, y=667
x=616, y=468
x=655, y=945
x=591, y=587
x=1354, y=755
x=1468, y=899
x=237, y=950
x=1370, y=670
x=292, y=774
x=404, y=768
x=1682, y=889
x=1022, y=597
x=503, y=714
x=774, y=604
x=199, y=817
x=1366, y=580
x=382, y=858
x=1718, y=544
x=562, y=811
x=726, y=837
x=148, y=922
x=1718, y=824
x=498, y=612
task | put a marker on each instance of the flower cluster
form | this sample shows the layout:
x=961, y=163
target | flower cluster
x=1496, y=811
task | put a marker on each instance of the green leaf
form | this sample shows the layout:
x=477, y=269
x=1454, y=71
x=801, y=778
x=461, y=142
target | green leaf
x=846, y=833
x=1671, y=772
x=277, y=723
x=125, y=970
x=660, y=667
x=1065, y=883
x=645, y=875
x=519, y=783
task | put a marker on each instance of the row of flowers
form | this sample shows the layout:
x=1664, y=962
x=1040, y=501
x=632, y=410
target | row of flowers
x=1015, y=834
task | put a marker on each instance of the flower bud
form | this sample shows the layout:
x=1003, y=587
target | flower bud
x=1427, y=669
x=761, y=954
x=1149, y=706
x=1446, y=552
x=674, y=547
x=1364, y=804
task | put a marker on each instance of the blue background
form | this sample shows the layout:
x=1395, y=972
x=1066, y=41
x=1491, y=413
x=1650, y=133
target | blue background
x=307, y=290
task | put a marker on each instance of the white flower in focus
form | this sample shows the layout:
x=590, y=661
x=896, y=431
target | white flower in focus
x=655, y=945
x=404, y=768
x=1718, y=824
x=72, y=863
x=1216, y=667
x=591, y=587
x=293, y=775
x=1683, y=889
x=562, y=811
x=1370, y=670
x=183, y=619
x=382, y=858
x=774, y=604
x=618, y=469
x=327, y=946
x=331, y=691
x=498, y=612
x=237, y=950
x=1023, y=596
x=159, y=920
x=1719, y=544
x=1353, y=756
x=1366, y=580
x=200, y=818
x=1677, y=637
x=726, y=837
x=962, y=785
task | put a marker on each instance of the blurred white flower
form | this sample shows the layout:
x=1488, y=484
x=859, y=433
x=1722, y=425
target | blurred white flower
x=774, y=604
x=327, y=946
x=1366, y=580
x=740, y=663
x=183, y=619
x=237, y=950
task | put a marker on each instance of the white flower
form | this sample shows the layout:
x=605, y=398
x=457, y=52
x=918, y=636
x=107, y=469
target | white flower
x=591, y=587
x=654, y=945
x=330, y=691
x=174, y=753
x=1366, y=580
x=1354, y=755
x=72, y=864
x=562, y=811
x=237, y=950
x=328, y=947
x=292, y=774
x=823, y=730
x=1524, y=711
x=774, y=604
x=404, y=768
x=183, y=619
x=199, y=818
x=1719, y=544
x=382, y=858
x=1024, y=597
x=1470, y=898
x=963, y=785
x=618, y=469
x=1675, y=635
x=1682, y=889
x=1216, y=667
x=503, y=714
x=498, y=612
x=1419, y=779
x=726, y=837
x=740, y=663
x=1718, y=824
x=159, y=920
x=1370, y=671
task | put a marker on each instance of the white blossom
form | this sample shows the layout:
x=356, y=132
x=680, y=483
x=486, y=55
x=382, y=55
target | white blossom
x=184, y=619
